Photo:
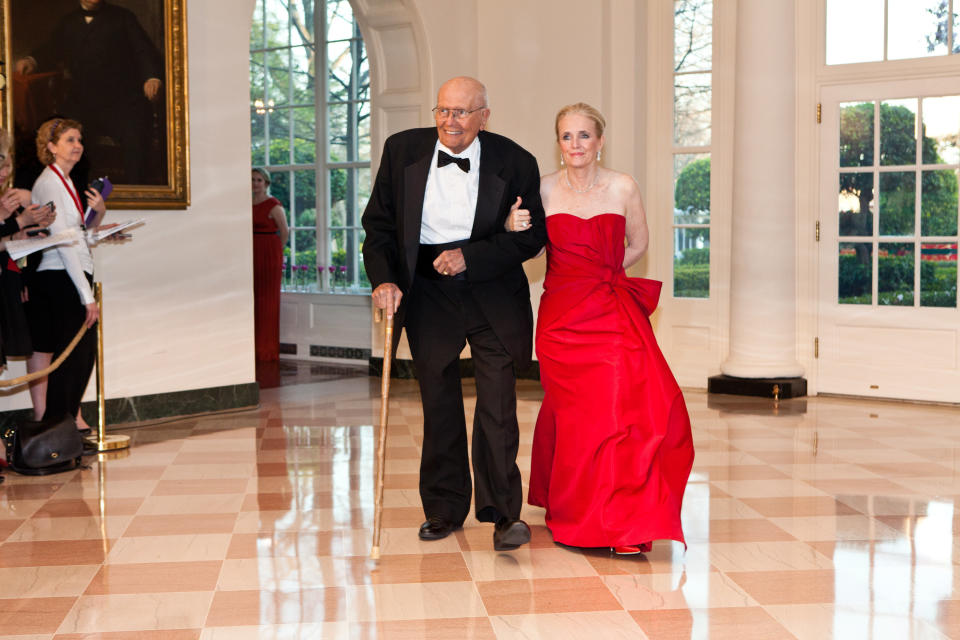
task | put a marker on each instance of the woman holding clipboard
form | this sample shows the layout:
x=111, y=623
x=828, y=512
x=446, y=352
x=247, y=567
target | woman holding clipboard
x=61, y=294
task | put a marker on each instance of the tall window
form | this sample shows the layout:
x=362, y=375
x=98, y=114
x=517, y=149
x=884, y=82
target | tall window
x=313, y=138
x=898, y=202
x=876, y=30
x=692, y=109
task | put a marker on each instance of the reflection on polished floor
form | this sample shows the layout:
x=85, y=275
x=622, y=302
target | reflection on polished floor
x=820, y=518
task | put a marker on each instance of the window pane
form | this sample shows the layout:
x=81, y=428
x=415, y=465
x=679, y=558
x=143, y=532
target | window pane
x=895, y=274
x=342, y=58
x=303, y=75
x=855, y=273
x=304, y=135
x=691, y=108
x=956, y=30
x=338, y=197
x=938, y=203
x=338, y=248
x=339, y=20
x=941, y=130
x=305, y=204
x=278, y=23
x=258, y=140
x=302, y=17
x=256, y=29
x=278, y=76
x=258, y=77
x=362, y=279
x=344, y=197
x=854, y=31
x=692, y=35
x=352, y=257
x=342, y=144
x=363, y=131
x=898, y=132
x=856, y=134
x=691, y=263
x=279, y=125
x=304, y=262
x=916, y=28
x=363, y=192
x=938, y=274
x=348, y=131
x=898, y=191
x=305, y=244
x=856, y=204
x=280, y=189
x=691, y=191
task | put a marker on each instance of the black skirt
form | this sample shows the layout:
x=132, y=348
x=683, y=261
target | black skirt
x=13, y=319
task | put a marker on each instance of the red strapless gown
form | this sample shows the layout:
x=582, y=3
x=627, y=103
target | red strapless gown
x=612, y=449
x=267, y=266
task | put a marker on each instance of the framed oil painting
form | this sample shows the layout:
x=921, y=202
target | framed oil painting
x=119, y=68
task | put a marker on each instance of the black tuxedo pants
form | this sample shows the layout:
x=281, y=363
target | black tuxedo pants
x=442, y=316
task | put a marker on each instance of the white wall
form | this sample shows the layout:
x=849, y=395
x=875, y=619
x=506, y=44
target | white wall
x=178, y=300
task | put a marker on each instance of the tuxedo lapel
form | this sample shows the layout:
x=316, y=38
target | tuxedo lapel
x=491, y=188
x=414, y=186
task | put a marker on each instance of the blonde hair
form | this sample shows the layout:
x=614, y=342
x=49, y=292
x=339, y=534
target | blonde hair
x=263, y=174
x=583, y=109
x=50, y=131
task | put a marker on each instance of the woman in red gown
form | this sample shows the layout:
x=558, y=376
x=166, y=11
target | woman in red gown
x=269, y=239
x=612, y=449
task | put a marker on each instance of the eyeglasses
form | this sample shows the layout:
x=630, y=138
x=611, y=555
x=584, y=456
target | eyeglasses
x=443, y=113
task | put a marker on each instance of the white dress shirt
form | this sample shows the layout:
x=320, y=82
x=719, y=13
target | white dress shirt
x=75, y=257
x=450, y=199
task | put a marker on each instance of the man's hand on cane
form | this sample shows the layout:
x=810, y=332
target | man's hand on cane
x=387, y=296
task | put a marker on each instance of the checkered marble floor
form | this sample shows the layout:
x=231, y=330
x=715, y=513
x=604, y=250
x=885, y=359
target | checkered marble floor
x=818, y=518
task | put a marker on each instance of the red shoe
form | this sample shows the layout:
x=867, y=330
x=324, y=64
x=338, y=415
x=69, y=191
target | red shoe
x=626, y=550
x=632, y=549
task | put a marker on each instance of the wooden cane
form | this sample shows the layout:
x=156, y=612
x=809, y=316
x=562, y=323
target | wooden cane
x=382, y=438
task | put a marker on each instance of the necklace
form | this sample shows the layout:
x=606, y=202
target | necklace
x=574, y=189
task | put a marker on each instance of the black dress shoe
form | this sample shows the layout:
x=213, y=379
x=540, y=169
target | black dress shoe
x=436, y=528
x=510, y=533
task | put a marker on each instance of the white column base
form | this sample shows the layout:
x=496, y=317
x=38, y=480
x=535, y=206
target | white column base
x=753, y=369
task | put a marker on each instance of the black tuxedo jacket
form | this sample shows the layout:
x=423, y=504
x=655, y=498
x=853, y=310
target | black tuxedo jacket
x=494, y=256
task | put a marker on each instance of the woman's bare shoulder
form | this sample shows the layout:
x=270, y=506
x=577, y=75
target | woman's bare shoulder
x=623, y=182
x=549, y=179
x=547, y=183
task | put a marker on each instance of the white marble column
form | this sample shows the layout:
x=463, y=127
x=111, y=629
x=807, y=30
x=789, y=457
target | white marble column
x=763, y=264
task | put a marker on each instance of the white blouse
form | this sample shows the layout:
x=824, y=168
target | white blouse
x=74, y=257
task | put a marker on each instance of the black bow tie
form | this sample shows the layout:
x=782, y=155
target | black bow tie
x=443, y=159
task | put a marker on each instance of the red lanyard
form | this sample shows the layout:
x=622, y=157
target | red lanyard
x=71, y=191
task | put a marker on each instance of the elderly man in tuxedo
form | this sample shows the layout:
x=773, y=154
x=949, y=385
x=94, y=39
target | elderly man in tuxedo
x=440, y=259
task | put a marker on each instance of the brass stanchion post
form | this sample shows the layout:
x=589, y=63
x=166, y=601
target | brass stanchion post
x=103, y=442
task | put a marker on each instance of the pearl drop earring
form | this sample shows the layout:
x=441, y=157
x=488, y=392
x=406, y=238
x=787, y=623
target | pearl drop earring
x=598, y=156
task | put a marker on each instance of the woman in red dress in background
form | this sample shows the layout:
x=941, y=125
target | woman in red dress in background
x=269, y=239
x=612, y=449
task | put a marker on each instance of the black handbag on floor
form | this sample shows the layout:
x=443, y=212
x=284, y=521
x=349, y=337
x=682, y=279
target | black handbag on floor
x=45, y=447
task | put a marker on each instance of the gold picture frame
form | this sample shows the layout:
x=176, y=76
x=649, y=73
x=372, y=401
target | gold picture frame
x=152, y=171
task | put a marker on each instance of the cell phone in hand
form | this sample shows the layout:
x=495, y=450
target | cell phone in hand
x=38, y=232
x=50, y=206
x=103, y=186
